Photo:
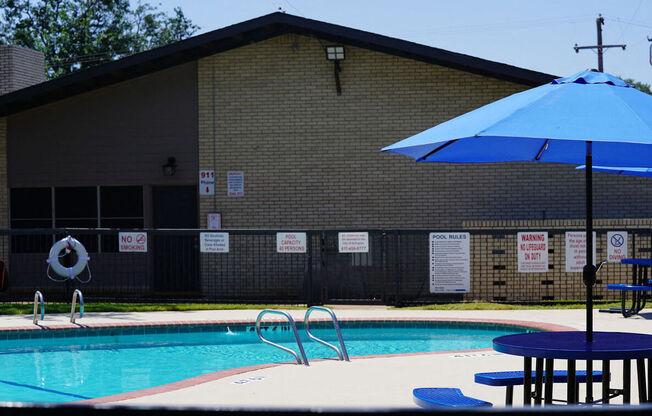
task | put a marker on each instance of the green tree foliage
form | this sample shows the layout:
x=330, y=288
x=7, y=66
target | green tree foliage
x=78, y=34
x=639, y=85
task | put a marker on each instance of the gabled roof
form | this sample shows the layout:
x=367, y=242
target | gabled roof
x=245, y=33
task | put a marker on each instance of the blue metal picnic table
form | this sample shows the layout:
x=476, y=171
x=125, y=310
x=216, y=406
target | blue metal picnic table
x=640, y=287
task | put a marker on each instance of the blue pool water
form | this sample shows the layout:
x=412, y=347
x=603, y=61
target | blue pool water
x=64, y=367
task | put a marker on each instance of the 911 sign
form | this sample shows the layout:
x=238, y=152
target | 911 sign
x=206, y=182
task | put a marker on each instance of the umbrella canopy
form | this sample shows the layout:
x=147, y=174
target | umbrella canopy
x=550, y=123
x=589, y=117
x=646, y=172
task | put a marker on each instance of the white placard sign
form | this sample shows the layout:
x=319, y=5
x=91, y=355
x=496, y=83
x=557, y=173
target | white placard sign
x=450, y=262
x=214, y=242
x=533, y=252
x=206, y=182
x=576, y=251
x=616, y=246
x=214, y=221
x=235, y=183
x=353, y=242
x=291, y=242
x=132, y=242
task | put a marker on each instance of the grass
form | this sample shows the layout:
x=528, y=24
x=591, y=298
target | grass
x=28, y=308
x=502, y=306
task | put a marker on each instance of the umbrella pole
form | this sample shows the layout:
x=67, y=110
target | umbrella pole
x=589, y=268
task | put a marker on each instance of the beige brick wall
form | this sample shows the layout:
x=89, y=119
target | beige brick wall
x=310, y=157
x=496, y=260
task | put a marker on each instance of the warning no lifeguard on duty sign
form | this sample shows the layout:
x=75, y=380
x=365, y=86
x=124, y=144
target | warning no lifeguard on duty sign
x=132, y=242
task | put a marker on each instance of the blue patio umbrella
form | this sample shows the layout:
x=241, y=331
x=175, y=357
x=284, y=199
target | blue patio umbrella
x=589, y=117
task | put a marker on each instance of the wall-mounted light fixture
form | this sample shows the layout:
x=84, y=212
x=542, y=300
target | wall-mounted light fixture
x=170, y=168
x=336, y=54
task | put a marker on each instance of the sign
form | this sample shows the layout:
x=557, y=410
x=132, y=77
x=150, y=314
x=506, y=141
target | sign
x=450, y=262
x=206, y=182
x=532, y=252
x=132, y=242
x=235, y=183
x=291, y=242
x=616, y=246
x=214, y=242
x=353, y=242
x=576, y=251
x=214, y=221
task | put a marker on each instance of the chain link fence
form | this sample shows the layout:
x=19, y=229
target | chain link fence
x=394, y=271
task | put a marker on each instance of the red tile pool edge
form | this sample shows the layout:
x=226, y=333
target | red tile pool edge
x=205, y=378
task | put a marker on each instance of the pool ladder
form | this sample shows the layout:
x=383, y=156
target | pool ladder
x=38, y=299
x=341, y=354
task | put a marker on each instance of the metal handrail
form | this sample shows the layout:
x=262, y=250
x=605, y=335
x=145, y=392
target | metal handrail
x=38, y=297
x=294, y=330
x=76, y=293
x=342, y=355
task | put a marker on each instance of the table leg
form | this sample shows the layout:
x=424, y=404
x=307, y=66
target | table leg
x=627, y=381
x=649, y=379
x=571, y=387
x=589, y=381
x=605, y=381
x=527, y=381
x=547, y=399
x=640, y=372
x=538, y=381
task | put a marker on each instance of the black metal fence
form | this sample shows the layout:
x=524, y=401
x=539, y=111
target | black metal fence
x=394, y=271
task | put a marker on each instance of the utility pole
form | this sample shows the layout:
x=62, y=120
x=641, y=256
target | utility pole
x=600, y=47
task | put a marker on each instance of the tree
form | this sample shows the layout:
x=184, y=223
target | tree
x=78, y=34
x=639, y=85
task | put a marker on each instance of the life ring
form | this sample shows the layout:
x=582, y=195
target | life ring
x=68, y=244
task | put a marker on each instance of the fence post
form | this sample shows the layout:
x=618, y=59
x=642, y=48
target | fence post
x=308, y=270
x=397, y=272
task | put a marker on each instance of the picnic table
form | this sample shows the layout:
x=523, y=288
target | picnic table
x=572, y=346
x=639, y=288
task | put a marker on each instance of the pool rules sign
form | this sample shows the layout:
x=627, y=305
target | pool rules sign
x=450, y=262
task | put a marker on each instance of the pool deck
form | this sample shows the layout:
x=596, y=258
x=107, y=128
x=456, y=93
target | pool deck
x=381, y=382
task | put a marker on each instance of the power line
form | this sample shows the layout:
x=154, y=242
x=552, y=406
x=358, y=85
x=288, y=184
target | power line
x=600, y=47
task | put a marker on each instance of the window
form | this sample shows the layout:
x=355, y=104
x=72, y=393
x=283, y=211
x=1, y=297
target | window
x=75, y=207
x=121, y=207
x=31, y=208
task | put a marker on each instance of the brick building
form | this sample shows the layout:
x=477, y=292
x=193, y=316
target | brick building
x=261, y=98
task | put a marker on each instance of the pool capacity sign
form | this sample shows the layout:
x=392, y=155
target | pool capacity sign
x=533, y=252
x=450, y=264
x=290, y=242
x=132, y=242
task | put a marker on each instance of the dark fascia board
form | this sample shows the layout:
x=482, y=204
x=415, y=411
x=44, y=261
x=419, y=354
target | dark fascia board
x=245, y=33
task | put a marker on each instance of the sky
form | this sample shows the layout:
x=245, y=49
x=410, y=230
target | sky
x=532, y=34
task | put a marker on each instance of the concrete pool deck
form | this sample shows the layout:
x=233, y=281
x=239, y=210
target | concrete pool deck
x=382, y=382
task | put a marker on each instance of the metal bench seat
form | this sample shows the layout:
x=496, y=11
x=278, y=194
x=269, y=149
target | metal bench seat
x=515, y=378
x=438, y=397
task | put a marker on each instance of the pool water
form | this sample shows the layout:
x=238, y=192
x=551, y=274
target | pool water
x=65, y=368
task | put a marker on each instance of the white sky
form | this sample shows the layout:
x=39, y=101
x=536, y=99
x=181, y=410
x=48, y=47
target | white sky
x=532, y=34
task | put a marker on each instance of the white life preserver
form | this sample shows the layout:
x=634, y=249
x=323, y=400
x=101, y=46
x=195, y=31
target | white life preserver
x=68, y=244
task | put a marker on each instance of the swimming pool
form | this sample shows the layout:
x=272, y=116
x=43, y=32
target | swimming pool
x=78, y=364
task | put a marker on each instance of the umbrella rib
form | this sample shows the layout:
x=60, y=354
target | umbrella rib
x=543, y=149
x=427, y=155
